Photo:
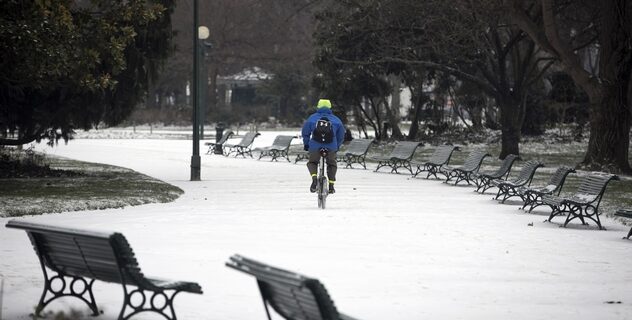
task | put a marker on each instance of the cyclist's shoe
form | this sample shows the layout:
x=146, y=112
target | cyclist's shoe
x=312, y=187
x=331, y=188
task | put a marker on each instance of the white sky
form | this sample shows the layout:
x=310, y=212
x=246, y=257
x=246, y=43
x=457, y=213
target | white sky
x=387, y=246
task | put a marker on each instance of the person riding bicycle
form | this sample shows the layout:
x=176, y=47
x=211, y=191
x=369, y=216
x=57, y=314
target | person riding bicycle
x=321, y=130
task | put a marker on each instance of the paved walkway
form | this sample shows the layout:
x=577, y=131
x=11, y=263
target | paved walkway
x=388, y=247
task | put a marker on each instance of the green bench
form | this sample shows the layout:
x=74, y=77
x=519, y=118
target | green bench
x=439, y=158
x=214, y=147
x=511, y=188
x=355, y=152
x=291, y=295
x=584, y=204
x=467, y=170
x=532, y=196
x=400, y=157
x=279, y=149
x=76, y=258
x=483, y=180
x=243, y=147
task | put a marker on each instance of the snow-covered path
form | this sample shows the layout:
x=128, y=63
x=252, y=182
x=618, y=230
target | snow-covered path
x=387, y=247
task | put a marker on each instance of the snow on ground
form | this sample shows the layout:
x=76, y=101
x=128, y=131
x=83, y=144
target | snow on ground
x=387, y=246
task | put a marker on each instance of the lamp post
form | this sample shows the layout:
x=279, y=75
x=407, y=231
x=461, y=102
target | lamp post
x=203, y=34
x=204, y=46
x=195, y=158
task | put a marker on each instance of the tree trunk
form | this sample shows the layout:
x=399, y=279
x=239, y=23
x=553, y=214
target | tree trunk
x=414, y=124
x=476, y=115
x=396, y=133
x=511, y=116
x=418, y=101
x=609, y=132
x=610, y=107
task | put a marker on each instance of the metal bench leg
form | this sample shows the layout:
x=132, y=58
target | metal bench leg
x=448, y=176
x=592, y=213
x=159, y=302
x=497, y=194
x=409, y=167
x=526, y=199
x=572, y=214
x=486, y=187
x=479, y=184
x=381, y=164
x=461, y=176
x=77, y=287
x=555, y=210
x=362, y=161
x=433, y=170
x=508, y=193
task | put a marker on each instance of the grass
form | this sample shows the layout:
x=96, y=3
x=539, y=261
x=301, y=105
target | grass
x=77, y=185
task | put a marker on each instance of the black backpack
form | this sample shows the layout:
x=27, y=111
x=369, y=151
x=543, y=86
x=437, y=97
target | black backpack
x=324, y=132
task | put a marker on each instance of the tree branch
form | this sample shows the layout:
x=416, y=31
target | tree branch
x=433, y=65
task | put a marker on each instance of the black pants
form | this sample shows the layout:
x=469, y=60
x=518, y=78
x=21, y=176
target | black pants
x=314, y=159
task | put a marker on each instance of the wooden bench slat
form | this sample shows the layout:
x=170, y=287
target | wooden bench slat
x=295, y=303
x=511, y=188
x=533, y=197
x=624, y=213
x=356, y=152
x=291, y=295
x=280, y=148
x=400, y=157
x=584, y=203
x=466, y=171
x=484, y=180
x=440, y=157
x=95, y=255
x=243, y=147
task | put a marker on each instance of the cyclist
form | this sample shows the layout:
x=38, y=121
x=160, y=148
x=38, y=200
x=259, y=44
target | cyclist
x=321, y=130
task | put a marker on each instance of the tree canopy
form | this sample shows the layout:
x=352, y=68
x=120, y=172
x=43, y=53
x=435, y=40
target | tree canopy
x=74, y=64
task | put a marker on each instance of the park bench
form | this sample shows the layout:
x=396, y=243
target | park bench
x=400, y=157
x=243, y=147
x=511, y=188
x=301, y=155
x=584, y=203
x=625, y=214
x=532, y=197
x=213, y=146
x=279, y=149
x=79, y=257
x=440, y=157
x=355, y=152
x=483, y=180
x=466, y=171
x=291, y=295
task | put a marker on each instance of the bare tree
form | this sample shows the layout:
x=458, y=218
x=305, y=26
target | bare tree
x=562, y=29
x=470, y=40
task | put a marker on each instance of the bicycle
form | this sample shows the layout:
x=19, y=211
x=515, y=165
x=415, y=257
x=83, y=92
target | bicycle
x=322, y=188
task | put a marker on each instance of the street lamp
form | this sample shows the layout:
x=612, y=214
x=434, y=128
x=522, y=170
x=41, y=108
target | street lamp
x=197, y=33
x=203, y=34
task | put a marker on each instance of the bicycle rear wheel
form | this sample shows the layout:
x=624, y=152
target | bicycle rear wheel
x=322, y=192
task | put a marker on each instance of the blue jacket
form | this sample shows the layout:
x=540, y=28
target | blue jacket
x=310, y=124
